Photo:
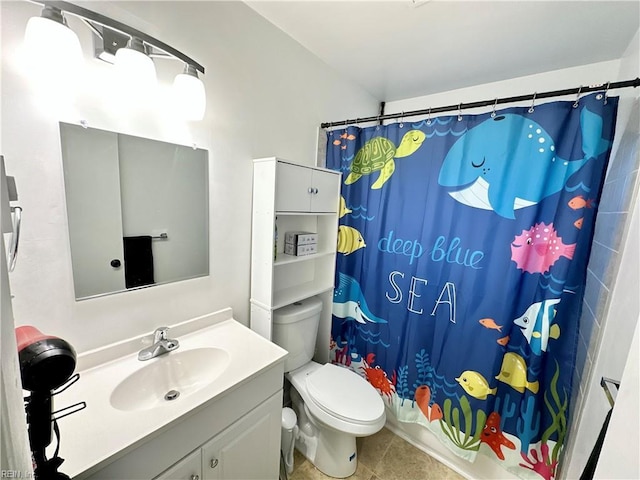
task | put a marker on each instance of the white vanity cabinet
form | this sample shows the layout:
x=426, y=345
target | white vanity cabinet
x=295, y=198
x=189, y=468
x=244, y=451
x=234, y=437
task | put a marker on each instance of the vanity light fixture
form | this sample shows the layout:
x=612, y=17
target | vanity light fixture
x=107, y=42
x=134, y=63
x=128, y=48
x=50, y=44
x=190, y=96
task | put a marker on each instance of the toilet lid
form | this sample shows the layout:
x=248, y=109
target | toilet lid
x=344, y=394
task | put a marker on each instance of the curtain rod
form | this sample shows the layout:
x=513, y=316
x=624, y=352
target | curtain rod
x=485, y=103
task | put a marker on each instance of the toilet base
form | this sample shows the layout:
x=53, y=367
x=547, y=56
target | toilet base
x=330, y=451
x=333, y=453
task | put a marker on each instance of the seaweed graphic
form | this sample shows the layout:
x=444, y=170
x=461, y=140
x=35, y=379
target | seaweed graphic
x=528, y=427
x=425, y=373
x=508, y=409
x=451, y=426
x=402, y=387
x=545, y=465
x=558, y=412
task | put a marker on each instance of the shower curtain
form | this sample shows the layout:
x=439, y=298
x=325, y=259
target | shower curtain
x=463, y=245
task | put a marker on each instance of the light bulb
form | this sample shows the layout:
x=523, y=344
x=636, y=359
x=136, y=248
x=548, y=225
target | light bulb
x=189, y=94
x=135, y=65
x=52, y=49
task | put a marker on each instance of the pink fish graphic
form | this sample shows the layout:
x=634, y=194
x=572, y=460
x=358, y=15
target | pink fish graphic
x=537, y=249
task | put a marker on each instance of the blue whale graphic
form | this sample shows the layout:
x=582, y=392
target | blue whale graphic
x=509, y=162
x=349, y=302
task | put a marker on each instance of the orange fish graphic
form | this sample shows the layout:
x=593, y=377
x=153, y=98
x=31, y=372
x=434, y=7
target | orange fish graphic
x=490, y=323
x=578, y=223
x=579, y=202
x=336, y=142
x=503, y=341
x=348, y=137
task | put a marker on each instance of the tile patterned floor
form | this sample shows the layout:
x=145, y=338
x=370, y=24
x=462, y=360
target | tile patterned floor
x=383, y=456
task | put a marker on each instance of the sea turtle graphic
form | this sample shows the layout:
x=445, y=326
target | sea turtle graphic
x=377, y=155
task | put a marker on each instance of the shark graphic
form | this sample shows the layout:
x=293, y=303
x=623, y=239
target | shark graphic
x=510, y=162
x=349, y=302
x=537, y=324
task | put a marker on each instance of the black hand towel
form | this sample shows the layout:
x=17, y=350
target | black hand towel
x=138, y=261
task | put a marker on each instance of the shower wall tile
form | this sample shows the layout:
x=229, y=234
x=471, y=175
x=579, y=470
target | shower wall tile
x=632, y=179
x=587, y=324
x=614, y=196
x=595, y=295
x=581, y=357
x=609, y=229
x=603, y=262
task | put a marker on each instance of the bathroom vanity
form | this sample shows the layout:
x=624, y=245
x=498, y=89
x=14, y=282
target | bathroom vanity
x=224, y=424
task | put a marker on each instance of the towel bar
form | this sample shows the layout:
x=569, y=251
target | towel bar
x=163, y=236
x=604, y=383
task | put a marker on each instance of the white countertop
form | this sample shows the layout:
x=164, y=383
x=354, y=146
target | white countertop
x=92, y=437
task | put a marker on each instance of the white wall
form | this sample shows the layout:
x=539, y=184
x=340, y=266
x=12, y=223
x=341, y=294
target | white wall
x=568, y=78
x=266, y=96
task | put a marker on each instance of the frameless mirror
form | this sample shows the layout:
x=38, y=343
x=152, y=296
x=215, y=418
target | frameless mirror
x=137, y=209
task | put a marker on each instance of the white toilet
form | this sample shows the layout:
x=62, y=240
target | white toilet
x=334, y=405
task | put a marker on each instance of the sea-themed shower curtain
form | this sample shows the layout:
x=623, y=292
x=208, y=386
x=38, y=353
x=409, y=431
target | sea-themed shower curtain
x=463, y=246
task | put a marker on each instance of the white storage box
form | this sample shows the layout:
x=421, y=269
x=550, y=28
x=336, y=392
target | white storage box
x=300, y=250
x=300, y=238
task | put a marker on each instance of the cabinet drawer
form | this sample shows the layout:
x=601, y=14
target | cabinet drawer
x=189, y=468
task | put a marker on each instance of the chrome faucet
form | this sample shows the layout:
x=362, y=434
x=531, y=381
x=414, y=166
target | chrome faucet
x=161, y=345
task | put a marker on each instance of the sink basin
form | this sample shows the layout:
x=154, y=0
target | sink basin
x=169, y=378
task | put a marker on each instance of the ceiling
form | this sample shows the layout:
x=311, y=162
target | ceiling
x=407, y=48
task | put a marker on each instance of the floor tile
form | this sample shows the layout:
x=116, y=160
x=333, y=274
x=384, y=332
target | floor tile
x=307, y=471
x=371, y=449
x=383, y=456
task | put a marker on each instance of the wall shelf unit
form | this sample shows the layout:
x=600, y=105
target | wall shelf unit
x=295, y=198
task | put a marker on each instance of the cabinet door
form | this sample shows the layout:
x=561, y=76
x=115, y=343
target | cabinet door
x=249, y=449
x=326, y=191
x=189, y=468
x=293, y=188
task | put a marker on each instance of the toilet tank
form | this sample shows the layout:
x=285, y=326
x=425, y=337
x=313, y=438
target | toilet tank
x=295, y=328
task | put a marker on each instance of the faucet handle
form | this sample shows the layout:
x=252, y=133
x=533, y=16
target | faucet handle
x=160, y=334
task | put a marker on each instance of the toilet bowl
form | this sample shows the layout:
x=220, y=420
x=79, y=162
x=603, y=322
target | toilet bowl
x=334, y=405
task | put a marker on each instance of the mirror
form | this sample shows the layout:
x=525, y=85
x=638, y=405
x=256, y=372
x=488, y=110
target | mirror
x=137, y=208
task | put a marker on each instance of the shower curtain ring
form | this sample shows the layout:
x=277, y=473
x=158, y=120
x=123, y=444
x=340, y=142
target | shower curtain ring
x=493, y=112
x=460, y=112
x=533, y=103
x=575, y=105
x=429, y=117
x=402, y=119
x=606, y=90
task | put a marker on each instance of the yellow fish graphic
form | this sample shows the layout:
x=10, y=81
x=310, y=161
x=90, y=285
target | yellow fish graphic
x=475, y=384
x=343, y=207
x=514, y=372
x=349, y=240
